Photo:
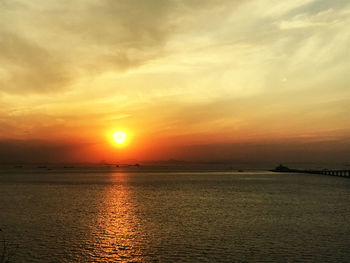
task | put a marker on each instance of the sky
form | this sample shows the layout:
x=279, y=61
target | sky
x=185, y=79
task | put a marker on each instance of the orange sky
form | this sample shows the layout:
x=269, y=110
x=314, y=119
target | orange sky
x=184, y=79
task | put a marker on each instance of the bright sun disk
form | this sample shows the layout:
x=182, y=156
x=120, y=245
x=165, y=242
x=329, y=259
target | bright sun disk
x=119, y=137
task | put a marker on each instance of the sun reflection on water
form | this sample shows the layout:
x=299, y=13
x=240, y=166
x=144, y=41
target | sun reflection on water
x=119, y=235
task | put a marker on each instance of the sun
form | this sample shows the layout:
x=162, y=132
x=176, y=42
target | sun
x=119, y=137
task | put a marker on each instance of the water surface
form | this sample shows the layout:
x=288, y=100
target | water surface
x=175, y=217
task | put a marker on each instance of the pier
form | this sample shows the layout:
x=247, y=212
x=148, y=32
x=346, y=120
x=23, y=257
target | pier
x=339, y=173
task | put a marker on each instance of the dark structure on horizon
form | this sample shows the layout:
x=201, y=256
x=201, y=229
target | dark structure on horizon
x=341, y=173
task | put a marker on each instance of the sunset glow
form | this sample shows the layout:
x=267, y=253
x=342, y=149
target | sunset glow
x=186, y=77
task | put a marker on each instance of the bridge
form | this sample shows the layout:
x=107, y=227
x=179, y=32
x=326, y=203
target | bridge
x=339, y=173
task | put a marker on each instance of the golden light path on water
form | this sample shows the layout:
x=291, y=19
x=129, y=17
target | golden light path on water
x=119, y=235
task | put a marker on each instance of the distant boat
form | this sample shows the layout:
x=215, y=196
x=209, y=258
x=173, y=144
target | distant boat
x=134, y=165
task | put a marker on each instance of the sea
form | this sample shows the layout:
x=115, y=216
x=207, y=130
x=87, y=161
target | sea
x=136, y=215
